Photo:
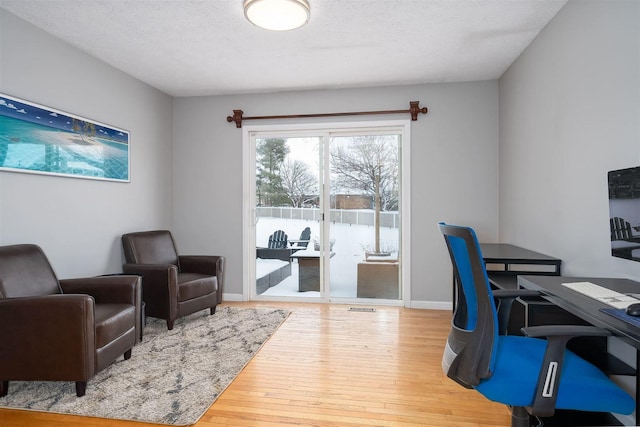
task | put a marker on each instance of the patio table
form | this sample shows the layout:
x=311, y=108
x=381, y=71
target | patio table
x=308, y=269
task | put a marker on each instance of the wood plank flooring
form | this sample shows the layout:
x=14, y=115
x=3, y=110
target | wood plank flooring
x=328, y=366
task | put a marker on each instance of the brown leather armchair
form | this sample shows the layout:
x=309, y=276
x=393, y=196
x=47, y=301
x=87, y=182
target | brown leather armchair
x=173, y=285
x=61, y=330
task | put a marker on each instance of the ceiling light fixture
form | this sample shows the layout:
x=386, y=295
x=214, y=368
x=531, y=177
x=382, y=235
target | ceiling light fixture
x=277, y=15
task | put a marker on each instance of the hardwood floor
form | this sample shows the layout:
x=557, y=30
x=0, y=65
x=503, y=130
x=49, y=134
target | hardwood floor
x=328, y=366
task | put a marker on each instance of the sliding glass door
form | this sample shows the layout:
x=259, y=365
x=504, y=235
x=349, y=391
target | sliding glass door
x=288, y=216
x=364, y=215
x=326, y=214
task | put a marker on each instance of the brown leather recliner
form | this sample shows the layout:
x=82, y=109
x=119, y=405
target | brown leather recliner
x=61, y=330
x=173, y=285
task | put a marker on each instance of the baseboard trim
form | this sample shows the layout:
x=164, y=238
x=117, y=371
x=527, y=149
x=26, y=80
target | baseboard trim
x=425, y=305
x=432, y=305
x=232, y=297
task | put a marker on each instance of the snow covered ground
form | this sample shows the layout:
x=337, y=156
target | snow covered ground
x=349, y=246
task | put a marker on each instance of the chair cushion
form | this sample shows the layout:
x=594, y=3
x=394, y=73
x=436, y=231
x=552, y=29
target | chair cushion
x=113, y=320
x=582, y=386
x=193, y=285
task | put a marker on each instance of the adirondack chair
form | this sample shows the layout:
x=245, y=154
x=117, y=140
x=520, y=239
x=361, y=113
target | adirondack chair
x=624, y=244
x=277, y=247
x=278, y=240
x=301, y=244
x=620, y=229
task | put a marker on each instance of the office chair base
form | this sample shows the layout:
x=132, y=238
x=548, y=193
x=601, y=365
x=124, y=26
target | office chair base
x=520, y=417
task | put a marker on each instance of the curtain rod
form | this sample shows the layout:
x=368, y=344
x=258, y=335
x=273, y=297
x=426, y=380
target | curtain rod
x=414, y=109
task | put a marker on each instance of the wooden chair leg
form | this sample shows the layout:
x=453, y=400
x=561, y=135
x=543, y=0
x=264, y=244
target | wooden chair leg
x=4, y=388
x=81, y=388
x=127, y=354
x=170, y=324
x=213, y=310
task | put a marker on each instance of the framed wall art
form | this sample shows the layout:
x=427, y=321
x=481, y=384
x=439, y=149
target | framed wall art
x=42, y=140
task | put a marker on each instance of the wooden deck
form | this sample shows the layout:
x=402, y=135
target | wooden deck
x=328, y=366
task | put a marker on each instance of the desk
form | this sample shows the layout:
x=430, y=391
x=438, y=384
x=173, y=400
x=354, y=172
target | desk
x=588, y=308
x=505, y=262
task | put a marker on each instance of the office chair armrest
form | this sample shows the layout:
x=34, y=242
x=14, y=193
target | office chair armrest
x=557, y=337
x=515, y=293
x=505, y=299
x=570, y=331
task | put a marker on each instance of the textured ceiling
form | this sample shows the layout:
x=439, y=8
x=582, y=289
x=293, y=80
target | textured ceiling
x=207, y=47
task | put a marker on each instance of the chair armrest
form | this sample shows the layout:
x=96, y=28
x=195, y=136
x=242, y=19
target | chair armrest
x=202, y=264
x=549, y=379
x=205, y=264
x=154, y=272
x=106, y=289
x=505, y=299
x=45, y=337
x=515, y=293
x=159, y=281
x=571, y=331
x=292, y=242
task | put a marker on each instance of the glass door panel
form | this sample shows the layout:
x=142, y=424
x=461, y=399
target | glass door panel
x=288, y=217
x=364, y=235
x=341, y=240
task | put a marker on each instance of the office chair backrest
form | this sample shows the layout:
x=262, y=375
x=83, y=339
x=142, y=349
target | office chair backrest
x=470, y=349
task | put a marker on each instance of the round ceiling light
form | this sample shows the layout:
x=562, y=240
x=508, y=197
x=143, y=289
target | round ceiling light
x=277, y=15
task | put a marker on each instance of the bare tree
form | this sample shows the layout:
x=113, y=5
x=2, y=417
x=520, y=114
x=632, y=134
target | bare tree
x=298, y=182
x=369, y=164
x=367, y=161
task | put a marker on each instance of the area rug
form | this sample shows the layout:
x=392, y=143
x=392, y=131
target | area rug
x=173, y=377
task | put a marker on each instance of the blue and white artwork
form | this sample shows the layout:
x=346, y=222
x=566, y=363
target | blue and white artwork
x=38, y=139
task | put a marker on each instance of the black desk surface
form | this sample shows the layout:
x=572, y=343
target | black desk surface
x=583, y=306
x=504, y=252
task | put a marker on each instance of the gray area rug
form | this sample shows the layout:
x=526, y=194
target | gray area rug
x=173, y=377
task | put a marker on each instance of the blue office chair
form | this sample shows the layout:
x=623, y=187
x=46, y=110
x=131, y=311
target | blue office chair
x=532, y=375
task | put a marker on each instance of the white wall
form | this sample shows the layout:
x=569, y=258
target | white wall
x=78, y=222
x=570, y=112
x=453, y=164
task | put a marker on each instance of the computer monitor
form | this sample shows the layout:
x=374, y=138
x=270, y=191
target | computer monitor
x=624, y=213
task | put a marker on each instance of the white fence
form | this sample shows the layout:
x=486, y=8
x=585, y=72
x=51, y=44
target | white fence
x=389, y=219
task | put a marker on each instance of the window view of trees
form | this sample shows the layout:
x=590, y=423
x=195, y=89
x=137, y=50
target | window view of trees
x=270, y=154
x=360, y=166
x=299, y=183
x=367, y=165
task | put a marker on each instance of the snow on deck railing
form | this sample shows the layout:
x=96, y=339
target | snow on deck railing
x=342, y=216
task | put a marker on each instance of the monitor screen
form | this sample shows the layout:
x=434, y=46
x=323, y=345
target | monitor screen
x=624, y=213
